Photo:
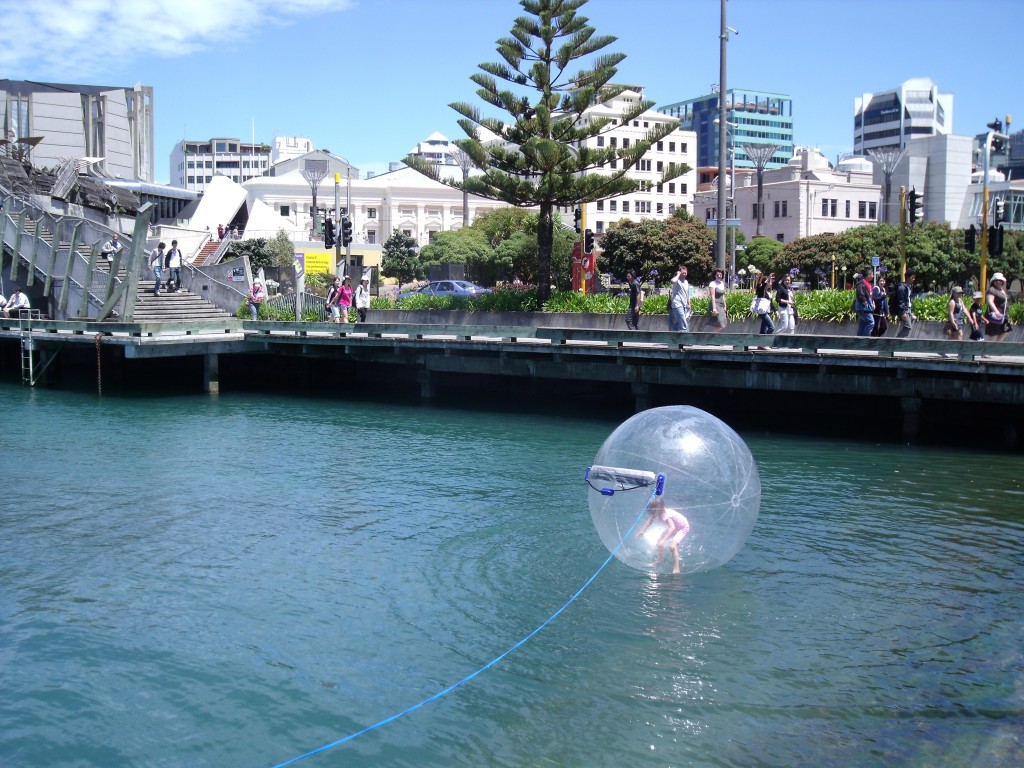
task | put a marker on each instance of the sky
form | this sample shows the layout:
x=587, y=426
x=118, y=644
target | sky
x=368, y=79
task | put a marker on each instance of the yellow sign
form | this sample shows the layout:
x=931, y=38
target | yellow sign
x=319, y=262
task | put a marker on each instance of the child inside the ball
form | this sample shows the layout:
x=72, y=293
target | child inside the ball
x=676, y=528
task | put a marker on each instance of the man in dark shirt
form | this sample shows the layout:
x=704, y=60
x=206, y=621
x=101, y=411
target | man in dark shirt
x=636, y=299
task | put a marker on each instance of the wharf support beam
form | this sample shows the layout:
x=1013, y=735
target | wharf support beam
x=211, y=374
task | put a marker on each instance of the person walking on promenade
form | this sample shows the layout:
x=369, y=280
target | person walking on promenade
x=956, y=312
x=881, y=299
x=679, y=302
x=976, y=315
x=716, y=301
x=257, y=295
x=636, y=300
x=173, y=265
x=333, y=294
x=864, y=305
x=996, y=300
x=765, y=291
x=157, y=265
x=904, y=308
x=363, y=298
x=345, y=298
x=785, y=301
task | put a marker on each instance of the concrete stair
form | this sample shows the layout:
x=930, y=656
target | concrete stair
x=206, y=253
x=168, y=306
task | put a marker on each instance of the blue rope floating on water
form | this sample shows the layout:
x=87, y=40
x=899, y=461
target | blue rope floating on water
x=489, y=664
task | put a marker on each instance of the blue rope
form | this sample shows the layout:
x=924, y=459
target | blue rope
x=486, y=666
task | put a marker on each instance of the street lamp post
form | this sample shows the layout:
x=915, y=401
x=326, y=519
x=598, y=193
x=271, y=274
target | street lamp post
x=761, y=155
x=722, y=90
x=887, y=158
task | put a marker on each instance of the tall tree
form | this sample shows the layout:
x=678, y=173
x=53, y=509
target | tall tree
x=399, y=258
x=542, y=155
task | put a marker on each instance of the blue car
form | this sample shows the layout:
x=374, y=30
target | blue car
x=448, y=288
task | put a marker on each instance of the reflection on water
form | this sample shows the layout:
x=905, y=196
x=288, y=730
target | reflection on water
x=240, y=580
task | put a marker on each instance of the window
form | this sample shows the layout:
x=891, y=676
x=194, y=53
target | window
x=659, y=186
x=636, y=123
x=614, y=164
x=371, y=236
x=780, y=209
x=371, y=213
x=612, y=206
x=191, y=163
x=661, y=145
x=847, y=209
x=407, y=232
x=682, y=147
x=659, y=208
x=671, y=208
x=286, y=210
x=600, y=205
x=431, y=235
x=660, y=166
x=625, y=206
x=625, y=143
x=671, y=146
x=872, y=210
x=824, y=206
x=222, y=146
x=191, y=179
x=600, y=141
x=613, y=141
x=862, y=210
x=833, y=207
x=600, y=227
x=754, y=214
x=682, y=188
x=672, y=188
x=643, y=165
x=780, y=237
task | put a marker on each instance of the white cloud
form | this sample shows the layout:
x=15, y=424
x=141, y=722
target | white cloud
x=73, y=40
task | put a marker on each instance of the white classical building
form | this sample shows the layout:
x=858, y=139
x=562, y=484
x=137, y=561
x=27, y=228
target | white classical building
x=652, y=200
x=403, y=200
x=808, y=197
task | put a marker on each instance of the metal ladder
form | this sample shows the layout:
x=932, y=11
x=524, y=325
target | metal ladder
x=28, y=346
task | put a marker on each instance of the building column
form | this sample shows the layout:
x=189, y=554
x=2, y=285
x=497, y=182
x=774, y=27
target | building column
x=211, y=374
x=428, y=387
x=911, y=407
x=642, y=395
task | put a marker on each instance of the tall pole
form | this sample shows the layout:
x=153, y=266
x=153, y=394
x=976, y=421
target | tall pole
x=984, y=215
x=723, y=41
x=903, y=234
x=337, y=221
x=348, y=212
x=761, y=154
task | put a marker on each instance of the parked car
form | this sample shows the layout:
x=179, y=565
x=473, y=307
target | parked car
x=448, y=288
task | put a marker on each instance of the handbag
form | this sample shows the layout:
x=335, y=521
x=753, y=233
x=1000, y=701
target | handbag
x=759, y=306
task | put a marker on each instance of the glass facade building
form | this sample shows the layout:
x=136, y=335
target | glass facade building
x=756, y=117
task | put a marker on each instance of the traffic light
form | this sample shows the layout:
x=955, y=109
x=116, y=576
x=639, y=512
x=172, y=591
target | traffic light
x=996, y=126
x=915, y=203
x=995, y=241
x=328, y=233
x=346, y=230
x=970, y=238
x=579, y=220
x=588, y=241
x=1000, y=211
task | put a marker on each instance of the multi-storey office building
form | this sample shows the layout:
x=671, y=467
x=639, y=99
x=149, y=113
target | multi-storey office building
x=194, y=163
x=891, y=118
x=51, y=122
x=753, y=117
x=653, y=199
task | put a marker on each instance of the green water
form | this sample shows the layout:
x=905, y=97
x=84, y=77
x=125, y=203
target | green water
x=236, y=581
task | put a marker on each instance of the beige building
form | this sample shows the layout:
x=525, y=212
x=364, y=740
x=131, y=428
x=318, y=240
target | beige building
x=809, y=196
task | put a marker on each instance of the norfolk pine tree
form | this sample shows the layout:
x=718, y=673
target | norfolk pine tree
x=541, y=156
